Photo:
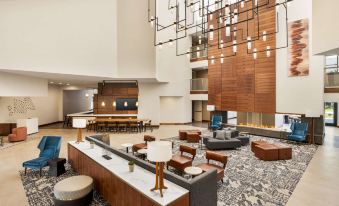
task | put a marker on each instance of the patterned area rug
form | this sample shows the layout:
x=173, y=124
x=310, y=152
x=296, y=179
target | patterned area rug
x=39, y=190
x=249, y=181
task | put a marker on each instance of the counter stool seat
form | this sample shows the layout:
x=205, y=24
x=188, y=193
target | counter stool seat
x=76, y=190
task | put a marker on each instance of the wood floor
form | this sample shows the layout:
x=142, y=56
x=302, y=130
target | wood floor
x=318, y=186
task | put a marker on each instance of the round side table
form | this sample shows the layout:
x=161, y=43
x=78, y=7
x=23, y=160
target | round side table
x=127, y=146
x=193, y=171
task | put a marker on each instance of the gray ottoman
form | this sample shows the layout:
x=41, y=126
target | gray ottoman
x=77, y=190
x=244, y=140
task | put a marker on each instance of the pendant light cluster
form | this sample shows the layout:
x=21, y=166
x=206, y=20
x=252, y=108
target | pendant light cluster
x=222, y=16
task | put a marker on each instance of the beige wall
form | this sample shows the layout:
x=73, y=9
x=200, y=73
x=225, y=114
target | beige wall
x=325, y=26
x=48, y=109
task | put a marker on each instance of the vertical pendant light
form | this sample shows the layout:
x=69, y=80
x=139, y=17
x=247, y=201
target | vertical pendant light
x=264, y=35
x=249, y=43
x=234, y=46
x=254, y=53
x=268, y=51
x=211, y=32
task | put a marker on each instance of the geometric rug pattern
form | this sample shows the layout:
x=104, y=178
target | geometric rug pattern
x=39, y=190
x=249, y=181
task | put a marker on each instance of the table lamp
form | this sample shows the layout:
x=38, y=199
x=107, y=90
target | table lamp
x=159, y=152
x=79, y=124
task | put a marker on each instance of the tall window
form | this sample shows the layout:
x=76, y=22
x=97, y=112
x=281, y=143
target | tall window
x=331, y=64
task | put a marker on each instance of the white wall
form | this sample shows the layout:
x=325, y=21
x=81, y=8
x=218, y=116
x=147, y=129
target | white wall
x=17, y=85
x=48, y=109
x=69, y=37
x=332, y=97
x=325, y=26
x=299, y=94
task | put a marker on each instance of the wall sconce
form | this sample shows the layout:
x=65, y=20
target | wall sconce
x=114, y=103
x=125, y=104
x=264, y=36
x=211, y=32
x=222, y=58
x=212, y=60
x=234, y=46
x=103, y=104
x=268, y=51
x=249, y=43
x=137, y=104
x=254, y=53
x=86, y=95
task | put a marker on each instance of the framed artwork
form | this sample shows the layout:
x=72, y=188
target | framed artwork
x=298, y=51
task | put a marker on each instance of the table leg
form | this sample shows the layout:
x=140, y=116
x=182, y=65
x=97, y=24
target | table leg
x=127, y=149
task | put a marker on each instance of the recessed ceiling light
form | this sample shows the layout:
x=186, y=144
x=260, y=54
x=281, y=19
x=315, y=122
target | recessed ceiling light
x=51, y=82
x=68, y=84
x=60, y=83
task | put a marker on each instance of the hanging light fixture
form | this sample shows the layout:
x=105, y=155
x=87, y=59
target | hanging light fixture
x=268, y=51
x=137, y=104
x=249, y=43
x=114, y=103
x=125, y=104
x=234, y=46
x=254, y=53
x=264, y=36
x=103, y=104
x=211, y=32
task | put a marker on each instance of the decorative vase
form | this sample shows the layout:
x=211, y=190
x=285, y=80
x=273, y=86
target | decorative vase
x=92, y=145
x=131, y=168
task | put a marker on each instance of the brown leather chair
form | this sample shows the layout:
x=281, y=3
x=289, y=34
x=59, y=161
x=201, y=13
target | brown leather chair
x=147, y=138
x=222, y=158
x=18, y=134
x=181, y=161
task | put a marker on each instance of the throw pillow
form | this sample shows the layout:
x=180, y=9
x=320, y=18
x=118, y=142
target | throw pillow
x=228, y=135
x=220, y=134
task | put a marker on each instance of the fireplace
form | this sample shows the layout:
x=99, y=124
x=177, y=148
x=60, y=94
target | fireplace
x=258, y=120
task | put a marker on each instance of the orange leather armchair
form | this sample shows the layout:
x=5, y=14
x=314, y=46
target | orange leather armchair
x=18, y=134
x=217, y=157
x=147, y=138
x=181, y=161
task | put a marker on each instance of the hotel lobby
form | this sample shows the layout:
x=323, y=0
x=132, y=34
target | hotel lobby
x=169, y=103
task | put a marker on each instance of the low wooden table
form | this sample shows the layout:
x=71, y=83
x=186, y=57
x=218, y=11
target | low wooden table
x=56, y=167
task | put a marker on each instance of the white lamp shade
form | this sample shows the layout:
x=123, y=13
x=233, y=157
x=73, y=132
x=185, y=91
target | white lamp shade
x=159, y=151
x=79, y=123
x=210, y=107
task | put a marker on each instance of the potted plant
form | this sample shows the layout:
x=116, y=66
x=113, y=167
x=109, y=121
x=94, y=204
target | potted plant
x=131, y=166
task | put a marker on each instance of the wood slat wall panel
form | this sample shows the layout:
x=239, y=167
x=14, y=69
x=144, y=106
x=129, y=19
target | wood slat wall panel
x=242, y=83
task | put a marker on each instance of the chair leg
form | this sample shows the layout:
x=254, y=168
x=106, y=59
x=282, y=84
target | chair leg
x=25, y=170
x=222, y=180
x=40, y=171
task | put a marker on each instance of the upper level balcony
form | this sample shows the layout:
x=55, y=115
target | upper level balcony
x=199, y=86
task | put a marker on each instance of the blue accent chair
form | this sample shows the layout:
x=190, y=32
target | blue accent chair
x=216, y=122
x=49, y=149
x=299, y=132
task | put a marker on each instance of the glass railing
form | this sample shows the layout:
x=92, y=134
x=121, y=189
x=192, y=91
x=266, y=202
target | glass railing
x=332, y=79
x=200, y=84
x=198, y=52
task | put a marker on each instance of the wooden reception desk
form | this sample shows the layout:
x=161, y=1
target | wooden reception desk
x=119, y=186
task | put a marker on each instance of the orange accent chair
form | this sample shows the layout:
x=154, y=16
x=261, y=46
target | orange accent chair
x=18, y=134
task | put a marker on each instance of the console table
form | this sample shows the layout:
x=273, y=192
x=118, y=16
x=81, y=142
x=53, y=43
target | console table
x=119, y=186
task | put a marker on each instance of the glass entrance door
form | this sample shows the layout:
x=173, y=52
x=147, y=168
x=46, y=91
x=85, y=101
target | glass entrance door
x=331, y=109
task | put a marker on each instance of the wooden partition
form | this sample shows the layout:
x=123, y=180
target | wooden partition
x=243, y=83
x=109, y=92
x=112, y=188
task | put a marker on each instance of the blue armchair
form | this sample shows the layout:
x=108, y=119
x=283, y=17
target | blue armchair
x=49, y=149
x=216, y=122
x=299, y=132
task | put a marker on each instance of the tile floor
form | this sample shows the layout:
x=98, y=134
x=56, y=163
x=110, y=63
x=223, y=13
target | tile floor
x=318, y=186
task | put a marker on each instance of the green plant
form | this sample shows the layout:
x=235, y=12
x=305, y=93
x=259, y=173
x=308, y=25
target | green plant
x=130, y=163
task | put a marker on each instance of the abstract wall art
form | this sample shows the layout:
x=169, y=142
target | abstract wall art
x=21, y=106
x=298, y=51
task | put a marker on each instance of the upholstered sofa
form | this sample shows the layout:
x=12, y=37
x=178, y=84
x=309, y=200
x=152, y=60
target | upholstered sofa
x=212, y=143
x=202, y=188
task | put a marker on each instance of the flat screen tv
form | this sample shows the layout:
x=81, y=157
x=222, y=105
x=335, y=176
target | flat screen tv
x=126, y=104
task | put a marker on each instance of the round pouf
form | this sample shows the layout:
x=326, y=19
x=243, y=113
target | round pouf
x=77, y=190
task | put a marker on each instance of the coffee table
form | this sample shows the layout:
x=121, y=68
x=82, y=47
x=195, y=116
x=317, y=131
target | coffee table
x=143, y=153
x=56, y=167
x=127, y=146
